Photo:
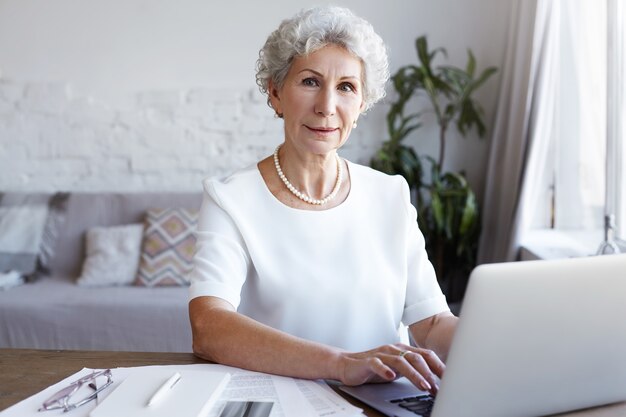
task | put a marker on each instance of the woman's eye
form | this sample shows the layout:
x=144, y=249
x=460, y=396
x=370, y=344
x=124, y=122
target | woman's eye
x=310, y=82
x=346, y=87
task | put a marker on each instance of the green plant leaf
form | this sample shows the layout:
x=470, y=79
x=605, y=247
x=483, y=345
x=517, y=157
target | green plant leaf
x=454, y=179
x=438, y=215
x=425, y=57
x=408, y=129
x=405, y=121
x=450, y=111
x=470, y=117
x=484, y=76
x=449, y=219
x=470, y=213
x=471, y=63
x=432, y=55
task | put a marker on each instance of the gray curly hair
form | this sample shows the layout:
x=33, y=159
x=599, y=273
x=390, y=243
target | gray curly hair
x=312, y=29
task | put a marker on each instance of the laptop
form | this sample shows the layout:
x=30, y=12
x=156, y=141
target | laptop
x=534, y=338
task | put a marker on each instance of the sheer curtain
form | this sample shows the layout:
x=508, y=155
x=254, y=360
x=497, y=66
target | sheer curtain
x=580, y=161
x=559, y=142
x=524, y=123
x=616, y=108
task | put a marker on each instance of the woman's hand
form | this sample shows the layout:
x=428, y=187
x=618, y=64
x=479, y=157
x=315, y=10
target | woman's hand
x=385, y=363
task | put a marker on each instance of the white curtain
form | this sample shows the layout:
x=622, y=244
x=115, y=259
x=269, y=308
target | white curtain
x=523, y=126
x=616, y=108
x=580, y=162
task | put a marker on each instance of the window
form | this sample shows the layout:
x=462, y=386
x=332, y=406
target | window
x=585, y=177
x=580, y=147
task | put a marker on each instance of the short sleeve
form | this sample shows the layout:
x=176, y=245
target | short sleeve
x=424, y=297
x=221, y=260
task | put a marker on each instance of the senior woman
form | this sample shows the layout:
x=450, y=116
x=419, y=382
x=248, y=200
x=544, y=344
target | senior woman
x=307, y=264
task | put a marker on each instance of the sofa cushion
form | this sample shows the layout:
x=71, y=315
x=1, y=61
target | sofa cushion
x=30, y=224
x=56, y=313
x=21, y=228
x=112, y=255
x=168, y=247
x=86, y=210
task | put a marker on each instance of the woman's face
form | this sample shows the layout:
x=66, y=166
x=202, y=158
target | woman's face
x=321, y=98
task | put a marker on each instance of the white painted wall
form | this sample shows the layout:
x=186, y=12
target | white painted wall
x=155, y=94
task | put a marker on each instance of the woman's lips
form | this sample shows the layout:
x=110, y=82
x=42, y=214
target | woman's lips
x=321, y=130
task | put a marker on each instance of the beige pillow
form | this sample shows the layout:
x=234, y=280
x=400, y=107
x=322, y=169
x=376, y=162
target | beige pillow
x=112, y=255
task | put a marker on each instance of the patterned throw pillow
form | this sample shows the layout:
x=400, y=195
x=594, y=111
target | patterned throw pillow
x=168, y=247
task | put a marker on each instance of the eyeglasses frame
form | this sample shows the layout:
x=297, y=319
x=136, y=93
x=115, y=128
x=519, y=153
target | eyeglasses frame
x=60, y=399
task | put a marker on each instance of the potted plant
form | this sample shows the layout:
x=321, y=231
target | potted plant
x=448, y=213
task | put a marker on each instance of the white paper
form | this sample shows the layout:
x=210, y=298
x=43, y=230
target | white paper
x=291, y=397
x=193, y=394
x=252, y=386
x=324, y=400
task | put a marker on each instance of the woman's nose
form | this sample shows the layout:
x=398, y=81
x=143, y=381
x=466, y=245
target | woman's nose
x=326, y=104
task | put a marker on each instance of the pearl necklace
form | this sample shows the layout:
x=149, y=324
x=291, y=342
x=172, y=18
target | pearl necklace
x=300, y=194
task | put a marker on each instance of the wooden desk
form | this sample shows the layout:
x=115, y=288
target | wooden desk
x=24, y=372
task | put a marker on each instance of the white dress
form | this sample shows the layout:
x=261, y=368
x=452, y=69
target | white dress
x=346, y=276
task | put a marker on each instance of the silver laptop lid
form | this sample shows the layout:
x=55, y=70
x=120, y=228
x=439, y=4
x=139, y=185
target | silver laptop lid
x=537, y=338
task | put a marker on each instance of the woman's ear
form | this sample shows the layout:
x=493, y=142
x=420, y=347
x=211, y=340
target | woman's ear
x=274, y=96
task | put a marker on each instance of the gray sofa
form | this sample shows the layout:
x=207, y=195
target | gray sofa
x=54, y=313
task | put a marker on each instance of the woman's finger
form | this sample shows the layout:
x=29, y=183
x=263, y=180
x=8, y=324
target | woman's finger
x=435, y=364
x=367, y=369
x=402, y=366
x=379, y=368
x=421, y=365
x=415, y=366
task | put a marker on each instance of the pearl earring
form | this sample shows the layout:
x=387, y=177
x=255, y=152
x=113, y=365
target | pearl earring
x=354, y=125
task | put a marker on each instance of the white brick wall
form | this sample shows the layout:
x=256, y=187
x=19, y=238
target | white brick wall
x=54, y=139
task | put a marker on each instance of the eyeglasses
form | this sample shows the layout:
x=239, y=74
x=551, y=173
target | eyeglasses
x=61, y=400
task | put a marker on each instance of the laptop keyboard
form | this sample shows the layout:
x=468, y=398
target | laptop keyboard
x=421, y=405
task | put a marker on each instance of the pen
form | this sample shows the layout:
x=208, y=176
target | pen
x=163, y=389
